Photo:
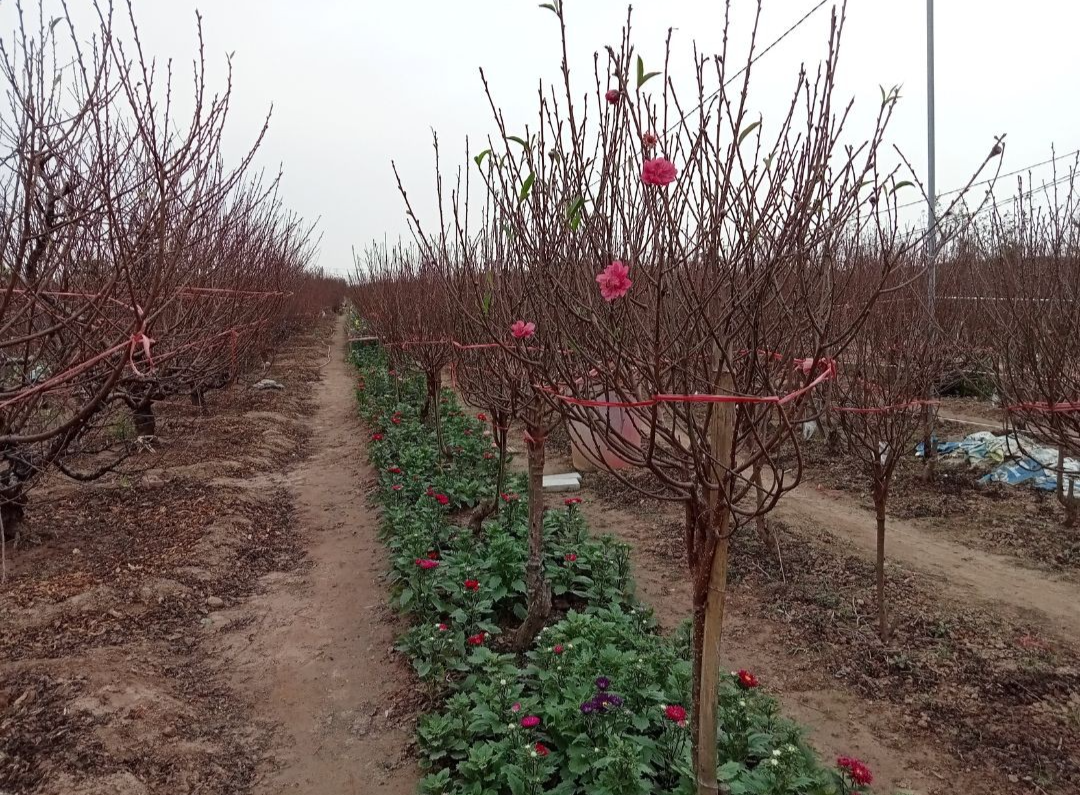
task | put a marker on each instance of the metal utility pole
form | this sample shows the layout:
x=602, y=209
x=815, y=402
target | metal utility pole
x=931, y=217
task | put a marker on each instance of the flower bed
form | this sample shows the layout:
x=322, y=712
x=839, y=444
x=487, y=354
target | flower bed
x=597, y=705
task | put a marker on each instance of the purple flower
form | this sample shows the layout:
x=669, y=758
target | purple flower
x=614, y=700
x=603, y=683
x=588, y=708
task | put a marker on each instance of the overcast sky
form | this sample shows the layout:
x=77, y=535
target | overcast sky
x=354, y=84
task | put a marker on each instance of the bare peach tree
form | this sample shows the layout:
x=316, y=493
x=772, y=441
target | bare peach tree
x=884, y=382
x=1031, y=261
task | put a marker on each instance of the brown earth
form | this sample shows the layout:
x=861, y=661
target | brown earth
x=210, y=620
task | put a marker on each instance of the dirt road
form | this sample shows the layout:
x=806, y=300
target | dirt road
x=318, y=663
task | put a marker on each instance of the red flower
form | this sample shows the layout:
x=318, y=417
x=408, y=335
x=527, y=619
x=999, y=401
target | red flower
x=557, y=648
x=530, y=722
x=675, y=713
x=442, y=499
x=396, y=420
x=482, y=417
x=570, y=557
x=649, y=140
x=658, y=172
x=509, y=496
x=472, y=585
x=477, y=639
x=747, y=679
x=396, y=487
x=572, y=501
x=859, y=772
x=424, y=563
x=393, y=373
x=612, y=96
x=467, y=432
x=542, y=749
x=394, y=470
x=433, y=555
x=376, y=437
x=442, y=627
x=489, y=456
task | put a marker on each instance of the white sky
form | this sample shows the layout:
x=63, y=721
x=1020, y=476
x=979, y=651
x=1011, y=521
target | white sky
x=355, y=83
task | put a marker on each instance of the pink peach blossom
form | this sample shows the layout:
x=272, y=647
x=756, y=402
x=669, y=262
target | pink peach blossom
x=614, y=281
x=522, y=330
x=658, y=171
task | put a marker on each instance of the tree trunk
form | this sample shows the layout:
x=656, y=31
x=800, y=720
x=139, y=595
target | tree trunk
x=710, y=589
x=929, y=446
x=143, y=417
x=198, y=399
x=433, y=402
x=539, y=592
x=880, y=497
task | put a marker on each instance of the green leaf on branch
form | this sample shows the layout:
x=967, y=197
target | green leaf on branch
x=479, y=159
x=517, y=140
x=573, y=212
x=749, y=129
x=552, y=7
x=907, y=183
x=642, y=76
x=526, y=186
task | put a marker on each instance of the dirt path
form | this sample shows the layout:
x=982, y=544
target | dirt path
x=317, y=661
x=973, y=573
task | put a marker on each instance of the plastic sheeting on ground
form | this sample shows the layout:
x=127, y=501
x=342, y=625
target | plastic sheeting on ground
x=1013, y=460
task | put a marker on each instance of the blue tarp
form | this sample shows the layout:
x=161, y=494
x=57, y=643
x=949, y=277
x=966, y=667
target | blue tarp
x=1013, y=460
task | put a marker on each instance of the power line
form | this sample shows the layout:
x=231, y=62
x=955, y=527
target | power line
x=753, y=61
x=1020, y=170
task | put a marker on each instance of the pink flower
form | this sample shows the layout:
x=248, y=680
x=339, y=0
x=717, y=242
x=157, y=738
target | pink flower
x=376, y=437
x=425, y=563
x=570, y=557
x=572, y=501
x=396, y=487
x=482, y=417
x=522, y=330
x=658, y=172
x=530, y=722
x=394, y=470
x=542, y=750
x=477, y=639
x=614, y=281
x=442, y=627
x=648, y=140
x=396, y=420
x=442, y=499
x=612, y=96
x=557, y=648
x=516, y=707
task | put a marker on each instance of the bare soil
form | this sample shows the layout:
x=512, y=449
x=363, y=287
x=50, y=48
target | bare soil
x=209, y=620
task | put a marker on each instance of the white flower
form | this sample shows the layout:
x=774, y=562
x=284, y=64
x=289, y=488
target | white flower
x=774, y=762
x=776, y=752
x=596, y=750
x=502, y=682
x=511, y=725
x=558, y=667
x=742, y=702
x=532, y=754
x=790, y=748
x=663, y=707
x=569, y=645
